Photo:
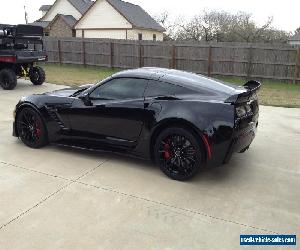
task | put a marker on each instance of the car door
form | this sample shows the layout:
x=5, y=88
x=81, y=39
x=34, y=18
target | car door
x=114, y=112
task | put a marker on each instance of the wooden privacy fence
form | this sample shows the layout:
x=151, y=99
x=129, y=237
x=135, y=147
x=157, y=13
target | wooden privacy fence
x=217, y=59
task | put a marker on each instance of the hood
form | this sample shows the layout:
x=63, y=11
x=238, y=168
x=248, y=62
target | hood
x=69, y=92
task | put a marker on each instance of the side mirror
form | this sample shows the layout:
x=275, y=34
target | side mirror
x=86, y=100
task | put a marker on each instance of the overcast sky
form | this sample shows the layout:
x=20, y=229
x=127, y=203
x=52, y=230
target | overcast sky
x=286, y=13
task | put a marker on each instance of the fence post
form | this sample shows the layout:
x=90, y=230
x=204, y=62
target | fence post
x=111, y=46
x=209, y=62
x=250, y=59
x=83, y=53
x=141, y=55
x=297, y=62
x=174, y=59
x=59, y=51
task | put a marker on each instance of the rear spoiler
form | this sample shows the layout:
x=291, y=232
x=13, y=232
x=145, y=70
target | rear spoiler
x=252, y=88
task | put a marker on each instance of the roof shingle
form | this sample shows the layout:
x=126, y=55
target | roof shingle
x=138, y=17
x=45, y=7
x=43, y=24
x=70, y=20
x=81, y=5
x=296, y=37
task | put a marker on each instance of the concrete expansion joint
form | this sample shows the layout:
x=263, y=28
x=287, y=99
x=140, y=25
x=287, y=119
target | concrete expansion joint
x=177, y=208
x=90, y=171
x=77, y=180
x=34, y=171
x=70, y=182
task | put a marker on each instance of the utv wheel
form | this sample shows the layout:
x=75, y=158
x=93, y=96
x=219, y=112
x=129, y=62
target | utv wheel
x=37, y=75
x=31, y=128
x=8, y=79
x=178, y=153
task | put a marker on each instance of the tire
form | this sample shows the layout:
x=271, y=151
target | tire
x=8, y=79
x=31, y=128
x=37, y=75
x=178, y=153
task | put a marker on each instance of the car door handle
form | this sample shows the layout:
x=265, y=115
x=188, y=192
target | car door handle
x=102, y=106
x=166, y=98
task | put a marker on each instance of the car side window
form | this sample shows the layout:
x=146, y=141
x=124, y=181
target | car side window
x=120, y=88
x=157, y=88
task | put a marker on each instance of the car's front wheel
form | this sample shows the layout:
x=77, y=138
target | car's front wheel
x=31, y=128
x=178, y=153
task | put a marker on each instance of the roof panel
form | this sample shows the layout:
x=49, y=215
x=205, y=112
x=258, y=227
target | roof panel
x=70, y=20
x=81, y=5
x=295, y=38
x=138, y=17
x=45, y=7
x=43, y=24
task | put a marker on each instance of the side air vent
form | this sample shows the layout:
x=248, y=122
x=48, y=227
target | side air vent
x=52, y=110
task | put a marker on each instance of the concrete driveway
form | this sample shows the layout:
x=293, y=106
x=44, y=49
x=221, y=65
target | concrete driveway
x=60, y=198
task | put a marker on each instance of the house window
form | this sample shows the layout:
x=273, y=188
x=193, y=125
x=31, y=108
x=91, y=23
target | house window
x=140, y=36
x=154, y=37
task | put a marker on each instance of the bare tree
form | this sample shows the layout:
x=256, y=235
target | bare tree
x=247, y=29
x=225, y=27
x=217, y=25
x=164, y=20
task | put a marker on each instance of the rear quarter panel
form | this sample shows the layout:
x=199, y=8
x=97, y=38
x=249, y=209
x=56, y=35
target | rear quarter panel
x=215, y=119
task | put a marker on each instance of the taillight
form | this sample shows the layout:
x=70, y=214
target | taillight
x=9, y=59
x=242, y=110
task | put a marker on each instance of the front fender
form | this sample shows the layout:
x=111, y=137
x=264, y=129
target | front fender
x=21, y=105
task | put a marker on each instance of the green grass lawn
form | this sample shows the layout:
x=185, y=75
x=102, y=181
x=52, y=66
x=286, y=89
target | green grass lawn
x=75, y=75
x=272, y=93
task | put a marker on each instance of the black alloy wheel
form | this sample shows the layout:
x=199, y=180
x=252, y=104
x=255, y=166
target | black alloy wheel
x=8, y=79
x=31, y=128
x=37, y=75
x=178, y=153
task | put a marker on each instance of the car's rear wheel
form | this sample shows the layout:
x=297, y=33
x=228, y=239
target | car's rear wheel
x=178, y=153
x=31, y=128
x=8, y=79
x=37, y=75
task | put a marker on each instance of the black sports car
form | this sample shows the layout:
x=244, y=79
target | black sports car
x=180, y=120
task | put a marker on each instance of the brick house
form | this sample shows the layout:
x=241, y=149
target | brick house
x=58, y=19
x=62, y=26
x=114, y=19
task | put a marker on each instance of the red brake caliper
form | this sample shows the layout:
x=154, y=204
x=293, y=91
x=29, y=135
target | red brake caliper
x=38, y=131
x=167, y=154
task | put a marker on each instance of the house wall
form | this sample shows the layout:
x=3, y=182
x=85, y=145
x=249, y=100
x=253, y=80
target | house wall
x=61, y=7
x=294, y=43
x=132, y=34
x=112, y=34
x=60, y=29
x=147, y=35
x=103, y=15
